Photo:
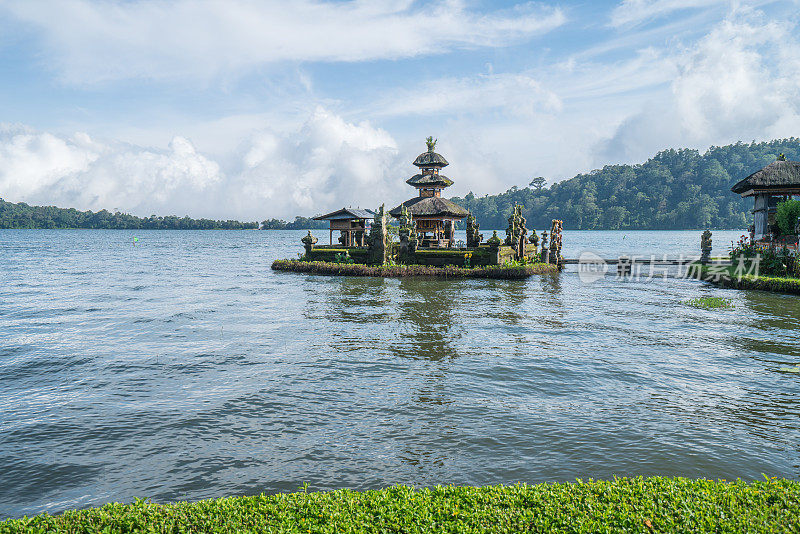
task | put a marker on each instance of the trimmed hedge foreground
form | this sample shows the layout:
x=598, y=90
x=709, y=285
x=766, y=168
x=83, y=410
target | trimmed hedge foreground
x=655, y=504
x=511, y=272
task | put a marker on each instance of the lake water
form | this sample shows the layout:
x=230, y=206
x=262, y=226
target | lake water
x=184, y=368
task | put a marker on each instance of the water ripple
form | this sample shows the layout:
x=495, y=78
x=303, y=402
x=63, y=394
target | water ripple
x=183, y=368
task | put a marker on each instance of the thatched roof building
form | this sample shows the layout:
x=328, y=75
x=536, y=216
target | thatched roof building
x=350, y=222
x=779, y=176
x=346, y=213
x=778, y=180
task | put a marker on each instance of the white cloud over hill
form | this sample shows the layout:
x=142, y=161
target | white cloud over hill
x=655, y=82
x=739, y=82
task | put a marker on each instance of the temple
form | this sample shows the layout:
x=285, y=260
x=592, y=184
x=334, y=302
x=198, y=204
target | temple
x=425, y=230
x=778, y=181
x=435, y=217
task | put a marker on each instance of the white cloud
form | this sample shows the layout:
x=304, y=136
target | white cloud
x=42, y=168
x=327, y=164
x=740, y=82
x=517, y=94
x=97, y=41
x=634, y=12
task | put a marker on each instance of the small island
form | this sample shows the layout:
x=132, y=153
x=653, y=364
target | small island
x=426, y=244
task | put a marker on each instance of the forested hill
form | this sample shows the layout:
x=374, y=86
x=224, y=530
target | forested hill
x=676, y=189
x=21, y=215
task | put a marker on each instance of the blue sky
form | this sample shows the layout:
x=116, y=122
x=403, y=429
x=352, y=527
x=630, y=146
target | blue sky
x=254, y=109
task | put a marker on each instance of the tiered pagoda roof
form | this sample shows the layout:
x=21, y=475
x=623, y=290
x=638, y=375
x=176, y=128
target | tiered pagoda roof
x=430, y=180
x=430, y=183
x=431, y=207
x=430, y=159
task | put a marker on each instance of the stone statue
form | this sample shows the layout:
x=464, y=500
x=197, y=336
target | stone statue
x=308, y=242
x=545, y=251
x=534, y=239
x=474, y=237
x=494, y=243
x=407, y=233
x=555, y=242
x=379, y=238
x=705, y=246
x=516, y=233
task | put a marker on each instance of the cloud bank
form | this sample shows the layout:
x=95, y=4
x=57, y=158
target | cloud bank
x=740, y=82
x=328, y=163
x=93, y=42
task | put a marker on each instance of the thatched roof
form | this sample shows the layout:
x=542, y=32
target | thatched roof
x=429, y=179
x=775, y=176
x=431, y=207
x=346, y=213
x=430, y=159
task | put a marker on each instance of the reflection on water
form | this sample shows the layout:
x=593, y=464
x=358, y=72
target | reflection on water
x=425, y=319
x=186, y=369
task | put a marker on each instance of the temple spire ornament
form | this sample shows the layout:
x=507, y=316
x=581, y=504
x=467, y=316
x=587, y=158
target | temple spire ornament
x=431, y=142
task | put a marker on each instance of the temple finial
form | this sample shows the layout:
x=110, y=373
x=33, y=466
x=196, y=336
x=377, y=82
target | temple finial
x=431, y=142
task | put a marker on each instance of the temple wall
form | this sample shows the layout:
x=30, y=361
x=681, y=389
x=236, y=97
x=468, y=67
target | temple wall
x=480, y=256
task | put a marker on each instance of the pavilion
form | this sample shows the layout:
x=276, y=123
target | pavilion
x=778, y=181
x=351, y=223
x=434, y=216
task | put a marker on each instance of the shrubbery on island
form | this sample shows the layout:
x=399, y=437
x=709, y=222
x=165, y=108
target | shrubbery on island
x=656, y=504
x=509, y=271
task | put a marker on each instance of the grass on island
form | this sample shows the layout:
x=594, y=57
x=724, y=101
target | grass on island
x=657, y=504
x=709, y=303
x=729, y=277
x=511, y=271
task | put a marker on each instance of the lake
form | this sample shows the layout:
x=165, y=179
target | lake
x=184, y=368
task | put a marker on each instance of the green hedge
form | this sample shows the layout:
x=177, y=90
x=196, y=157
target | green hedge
x=328, y=254
x=748, y=281
x=390, y=271
x=655, y=504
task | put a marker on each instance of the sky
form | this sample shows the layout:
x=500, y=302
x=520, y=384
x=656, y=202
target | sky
x=250, y=109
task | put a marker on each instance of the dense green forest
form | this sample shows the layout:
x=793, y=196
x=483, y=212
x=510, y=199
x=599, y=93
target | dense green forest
x=299, y=223
x=676, y=189
x=21, y=215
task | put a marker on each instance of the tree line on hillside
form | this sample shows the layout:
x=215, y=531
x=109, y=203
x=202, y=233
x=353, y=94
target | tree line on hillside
x=299, y=223
x=21, y=215
x=676, y=189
